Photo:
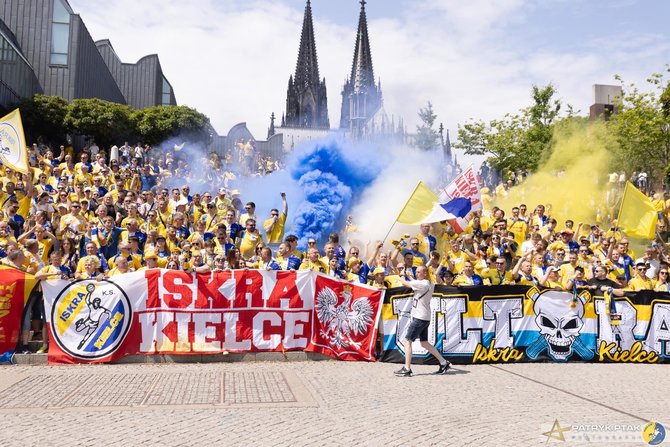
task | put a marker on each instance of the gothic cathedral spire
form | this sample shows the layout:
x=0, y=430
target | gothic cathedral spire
x=361, y=97
x=306, y=100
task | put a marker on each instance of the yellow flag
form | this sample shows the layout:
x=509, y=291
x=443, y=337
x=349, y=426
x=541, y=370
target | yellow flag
x=13, y=152
x=637, y=215
x=419, y=206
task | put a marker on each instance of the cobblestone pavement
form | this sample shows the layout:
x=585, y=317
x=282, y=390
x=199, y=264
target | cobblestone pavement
x=323, y=403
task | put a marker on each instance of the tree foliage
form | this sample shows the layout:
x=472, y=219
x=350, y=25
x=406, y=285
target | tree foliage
x=517, y=141
x=43, y=117
x=642, y=127
x=107, y=122
x=157, y=124
x=426, y=135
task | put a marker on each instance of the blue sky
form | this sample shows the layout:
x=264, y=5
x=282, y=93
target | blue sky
x=472, y=59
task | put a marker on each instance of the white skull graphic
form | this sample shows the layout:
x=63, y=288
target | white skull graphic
x=559, y=321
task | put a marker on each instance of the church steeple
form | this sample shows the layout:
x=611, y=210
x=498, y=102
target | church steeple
x=307, y=68
x=306, y=100
x=362, y=74
x=361, y=97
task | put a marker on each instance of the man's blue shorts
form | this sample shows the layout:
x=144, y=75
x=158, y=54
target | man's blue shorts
x=417, y=329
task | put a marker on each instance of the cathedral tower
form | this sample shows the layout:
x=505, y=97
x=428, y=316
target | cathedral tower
x=306, y=100
x=361, y=97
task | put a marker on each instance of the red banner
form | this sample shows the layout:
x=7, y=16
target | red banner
x=166, y=311
x=15, y=288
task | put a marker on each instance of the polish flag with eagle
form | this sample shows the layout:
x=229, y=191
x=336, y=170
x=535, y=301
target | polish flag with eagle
x=346, y=319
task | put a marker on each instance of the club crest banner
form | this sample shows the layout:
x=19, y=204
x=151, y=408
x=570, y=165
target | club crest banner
x=13, y=152
x=521, y=324
x=172, y=312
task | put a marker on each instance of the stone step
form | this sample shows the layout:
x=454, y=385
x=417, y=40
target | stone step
x=41, y=359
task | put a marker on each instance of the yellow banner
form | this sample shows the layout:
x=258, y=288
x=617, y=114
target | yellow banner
x=638, y=215
x=13, y=152
x=419, y=206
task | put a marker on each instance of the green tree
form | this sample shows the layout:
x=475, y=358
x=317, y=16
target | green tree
x=107, y=122
x=156, y=124
x=517, y=141
x=426, y=135
x=43, y=116
x=642, y=127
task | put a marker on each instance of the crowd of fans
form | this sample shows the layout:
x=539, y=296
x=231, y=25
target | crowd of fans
x=103, y=215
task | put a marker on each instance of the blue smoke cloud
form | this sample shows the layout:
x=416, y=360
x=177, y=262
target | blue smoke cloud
x=331, y=181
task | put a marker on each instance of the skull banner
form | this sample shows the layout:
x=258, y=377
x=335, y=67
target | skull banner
x=494, y=324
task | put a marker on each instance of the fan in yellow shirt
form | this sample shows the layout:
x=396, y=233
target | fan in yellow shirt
x=274, y=226
x=249, y=239
x=313, y=262
x=498, y=275
x=640, y=280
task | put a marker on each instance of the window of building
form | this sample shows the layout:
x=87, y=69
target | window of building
x=167, y=93
x=60, y=33
x=7, y=53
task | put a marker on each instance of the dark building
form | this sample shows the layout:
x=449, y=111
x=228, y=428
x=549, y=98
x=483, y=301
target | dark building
x=143, y=83
x=605, y=101
x=361, y=97
x=306, y=100
x=55, y=44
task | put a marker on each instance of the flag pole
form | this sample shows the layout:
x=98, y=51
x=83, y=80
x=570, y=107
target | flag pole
x=388, y=232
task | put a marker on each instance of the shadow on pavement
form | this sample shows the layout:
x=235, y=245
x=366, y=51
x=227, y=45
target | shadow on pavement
x=452, y=372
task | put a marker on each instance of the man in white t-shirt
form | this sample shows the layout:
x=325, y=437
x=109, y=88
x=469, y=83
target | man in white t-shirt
x=418, y=328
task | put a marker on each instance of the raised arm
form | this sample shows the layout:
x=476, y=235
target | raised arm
x=373, y=257
x=284, y=204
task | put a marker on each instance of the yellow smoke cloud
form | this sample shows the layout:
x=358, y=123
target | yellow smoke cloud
x=572, y=183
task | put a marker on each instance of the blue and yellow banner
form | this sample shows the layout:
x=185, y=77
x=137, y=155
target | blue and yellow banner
x=505, y=324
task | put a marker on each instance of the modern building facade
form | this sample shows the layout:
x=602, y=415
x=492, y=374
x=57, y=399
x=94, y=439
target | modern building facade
x=66, y=62
x=17, y=78
x=143, y=84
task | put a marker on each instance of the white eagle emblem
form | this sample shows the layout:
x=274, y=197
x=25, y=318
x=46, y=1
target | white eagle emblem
x=340, y=322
